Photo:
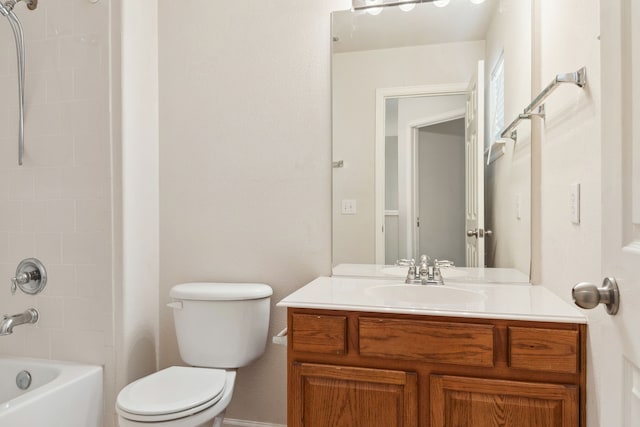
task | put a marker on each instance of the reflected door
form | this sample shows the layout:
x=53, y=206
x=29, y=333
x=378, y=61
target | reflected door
x=474, y=159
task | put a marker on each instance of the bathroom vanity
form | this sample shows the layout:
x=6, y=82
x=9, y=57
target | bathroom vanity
x=365, y=352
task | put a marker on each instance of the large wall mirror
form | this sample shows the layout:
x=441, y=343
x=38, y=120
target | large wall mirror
x=420, y=98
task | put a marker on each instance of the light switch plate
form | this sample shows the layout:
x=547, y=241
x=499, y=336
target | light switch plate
x=349, y=207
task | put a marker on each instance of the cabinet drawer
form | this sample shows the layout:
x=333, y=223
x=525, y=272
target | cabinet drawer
x=319, y=334
x=434, y=342
x=550, y=350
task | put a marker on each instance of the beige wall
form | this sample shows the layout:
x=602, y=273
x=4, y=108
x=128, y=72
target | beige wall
x=245, y=162
x=568, y=151
x=354, y=125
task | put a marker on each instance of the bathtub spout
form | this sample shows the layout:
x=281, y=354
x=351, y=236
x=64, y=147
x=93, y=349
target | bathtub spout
x=9, y=322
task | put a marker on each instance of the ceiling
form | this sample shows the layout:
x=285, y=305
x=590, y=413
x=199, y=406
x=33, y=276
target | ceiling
x=460, y=21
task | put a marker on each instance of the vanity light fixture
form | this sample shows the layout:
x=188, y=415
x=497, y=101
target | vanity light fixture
x=374, y=7
x=407, y=6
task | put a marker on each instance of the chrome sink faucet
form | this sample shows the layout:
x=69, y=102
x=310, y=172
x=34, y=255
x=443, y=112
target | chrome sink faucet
x=423, y=273
x=7, y=323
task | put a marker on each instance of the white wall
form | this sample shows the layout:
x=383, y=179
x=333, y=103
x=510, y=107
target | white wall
x=137, y=320
x=245, y=162
x=569, y=152
x=354, y=125
x=57, y=206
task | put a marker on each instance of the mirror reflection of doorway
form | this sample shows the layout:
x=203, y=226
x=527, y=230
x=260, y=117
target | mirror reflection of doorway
x=428, y=133
x=441, y=186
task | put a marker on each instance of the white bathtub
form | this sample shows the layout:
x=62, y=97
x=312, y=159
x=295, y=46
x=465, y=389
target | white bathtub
x=61, y=394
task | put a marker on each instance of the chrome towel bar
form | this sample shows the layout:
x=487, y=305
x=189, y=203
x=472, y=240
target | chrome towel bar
x=578, y=78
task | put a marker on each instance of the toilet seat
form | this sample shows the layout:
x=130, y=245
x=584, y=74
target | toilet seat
x=172, y=393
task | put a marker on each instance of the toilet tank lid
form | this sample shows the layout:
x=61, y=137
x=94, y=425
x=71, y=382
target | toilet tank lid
x=207, y=291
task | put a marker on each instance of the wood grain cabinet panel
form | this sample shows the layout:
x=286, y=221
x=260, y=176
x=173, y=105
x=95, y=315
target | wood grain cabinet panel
x=338, y=396
x=366, y=369
x=319, y=334
x=549, y=350
x=435, y=342
x=477, y=402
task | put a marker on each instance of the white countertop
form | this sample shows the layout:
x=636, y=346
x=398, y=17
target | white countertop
x=457, y=274
x=492, y=301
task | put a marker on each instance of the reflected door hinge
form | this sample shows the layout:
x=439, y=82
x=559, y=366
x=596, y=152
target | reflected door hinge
x=418, y=222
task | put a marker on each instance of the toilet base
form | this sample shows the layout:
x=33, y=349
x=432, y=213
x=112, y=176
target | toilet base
x=217, y=421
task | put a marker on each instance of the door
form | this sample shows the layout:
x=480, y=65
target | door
x=477, y=402
x=341, y=396
x=439, y=188
x=474, y=159
x=615, y=341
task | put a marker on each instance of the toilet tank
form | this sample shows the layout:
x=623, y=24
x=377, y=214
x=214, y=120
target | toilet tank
x=221, y=325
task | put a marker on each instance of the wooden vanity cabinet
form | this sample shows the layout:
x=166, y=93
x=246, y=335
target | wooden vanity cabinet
x=361, y=369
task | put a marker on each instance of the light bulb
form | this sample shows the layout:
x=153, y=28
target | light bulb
x=373, y=10
x=477, y=1
x=407, y=6
x=441, y=3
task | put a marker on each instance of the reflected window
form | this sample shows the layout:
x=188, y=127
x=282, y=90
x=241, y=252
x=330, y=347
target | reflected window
x=496, y=87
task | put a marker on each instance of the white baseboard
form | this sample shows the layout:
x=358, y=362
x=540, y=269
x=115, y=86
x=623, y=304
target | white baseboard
x=229, y=422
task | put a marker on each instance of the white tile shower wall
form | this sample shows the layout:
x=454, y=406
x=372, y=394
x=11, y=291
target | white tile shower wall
x=57, y=206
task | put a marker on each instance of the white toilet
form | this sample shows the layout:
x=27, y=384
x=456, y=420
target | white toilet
x=220, y=327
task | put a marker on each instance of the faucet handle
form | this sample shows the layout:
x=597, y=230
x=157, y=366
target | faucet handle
x=443, y=263
x=19, y=279
x=437, y=275
x=31, y=277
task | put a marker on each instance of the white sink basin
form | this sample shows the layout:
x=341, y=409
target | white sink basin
x=426, y=295
x=401, y=271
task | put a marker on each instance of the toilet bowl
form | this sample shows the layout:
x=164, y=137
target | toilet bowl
x=220, y=327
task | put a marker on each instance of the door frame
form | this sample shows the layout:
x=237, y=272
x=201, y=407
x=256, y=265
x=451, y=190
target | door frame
x=382, y=94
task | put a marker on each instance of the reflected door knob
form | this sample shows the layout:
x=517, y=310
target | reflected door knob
x=479, y=232
x=587, y=295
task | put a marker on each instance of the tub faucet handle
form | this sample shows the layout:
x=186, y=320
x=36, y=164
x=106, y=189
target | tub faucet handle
x=31, y=277
x=20, y=279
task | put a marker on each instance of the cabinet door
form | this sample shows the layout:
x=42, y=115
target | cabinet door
x=339, y=396
x=476, y=402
